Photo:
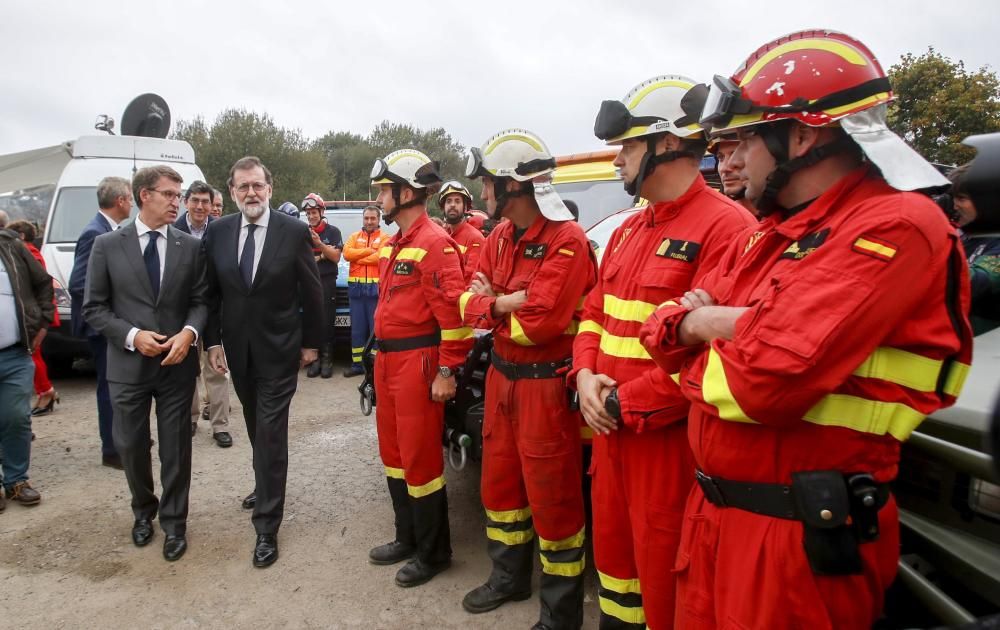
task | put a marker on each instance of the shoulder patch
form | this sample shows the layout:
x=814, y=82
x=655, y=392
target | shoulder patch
x=535, y=251
x=567, y=252
x=805, y=245
x=685, y=251
x=875, y=247
x=402, y=268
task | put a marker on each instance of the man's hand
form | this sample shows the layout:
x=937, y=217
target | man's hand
x=443, y=389
x=36, y=343
x=309, y=355
x=697, y=298
x=217, y=359
x=481, y=285
x=706, y=323
x=509, y=303
x=177, y=347
x=593, y=389
x=315, y=237
x=149, y=343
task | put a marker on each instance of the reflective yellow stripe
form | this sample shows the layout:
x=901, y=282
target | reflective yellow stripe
x=394, y=473
x=572, y=329
x=385, y=252
x=613, y=345
x=866, y=416
x=902, y=368
x=510, y=538
x=590, y=326
x=616, y=610
x=565, y=569
x=877, y=248
x=463, y=301
x=572, y=542
x=628, y=310
x=517, y=333
x=411, y=253
x=567, y=252
x=357, y=350
x=676, y=377
x=456, y=334
x=956, y=379
x=428, y=488
x=509, y=516
x=619, y=585
x=462, y=248
x=715, y=390
x=360, y=280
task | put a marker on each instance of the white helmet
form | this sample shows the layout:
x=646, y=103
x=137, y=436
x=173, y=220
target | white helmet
x=523, y=157
x=406, y=166
x=665, y=104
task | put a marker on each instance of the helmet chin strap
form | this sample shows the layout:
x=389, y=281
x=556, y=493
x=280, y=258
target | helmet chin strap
x=650, y=160
x=396, y=192
x=502, y=195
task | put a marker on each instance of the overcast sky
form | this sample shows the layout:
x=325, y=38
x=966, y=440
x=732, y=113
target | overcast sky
x=471, y=67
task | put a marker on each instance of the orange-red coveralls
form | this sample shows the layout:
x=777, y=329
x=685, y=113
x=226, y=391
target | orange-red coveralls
x=470, y=244
x=642, y=472
x=531, y=475
x=856, y=330
x=420, y=284
x=361, y=250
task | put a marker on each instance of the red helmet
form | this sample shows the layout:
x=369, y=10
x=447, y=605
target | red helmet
x=313, y=200
x=476, y=219
x=815, y=77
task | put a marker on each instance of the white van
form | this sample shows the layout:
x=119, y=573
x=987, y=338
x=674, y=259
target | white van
x=74, y=203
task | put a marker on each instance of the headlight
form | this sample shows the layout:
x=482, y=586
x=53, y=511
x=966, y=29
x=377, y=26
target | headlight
x=63, y=300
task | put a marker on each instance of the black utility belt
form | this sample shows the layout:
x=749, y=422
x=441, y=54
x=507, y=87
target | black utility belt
x=517, y=371
x=838, y=511
x=408, y=343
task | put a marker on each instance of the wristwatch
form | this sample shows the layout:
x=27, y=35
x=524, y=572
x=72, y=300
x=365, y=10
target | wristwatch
x=612, y=405
x=445, y=371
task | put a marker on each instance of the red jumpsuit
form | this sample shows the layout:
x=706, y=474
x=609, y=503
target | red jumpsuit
x=531, y=475
x=836, y=361
x=420, y=279
x=641, y=473
x=470, y=243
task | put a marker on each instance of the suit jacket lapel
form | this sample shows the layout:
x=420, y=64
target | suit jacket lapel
x=129, y=239
x=272, y=244
x=174, y=250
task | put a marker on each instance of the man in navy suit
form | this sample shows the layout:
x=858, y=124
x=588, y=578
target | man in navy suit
x=114, y=200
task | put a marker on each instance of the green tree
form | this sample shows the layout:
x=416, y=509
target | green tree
x=351, y=158
x=939, y=103
x=297, y=167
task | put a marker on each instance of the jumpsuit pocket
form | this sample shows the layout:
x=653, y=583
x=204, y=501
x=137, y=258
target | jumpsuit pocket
x=695, y=600
x=673, y=280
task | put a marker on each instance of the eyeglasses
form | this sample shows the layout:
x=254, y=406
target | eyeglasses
x=169, y=195
x=197, y=201
x=258, y=187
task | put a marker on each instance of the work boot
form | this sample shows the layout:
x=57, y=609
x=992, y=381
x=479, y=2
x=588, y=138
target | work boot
x=326, y=361
x=312, y=370
x=356, y=369
x=417, y=572
x=23, y=493
x=390, y=553
x=485, y=598
x=404, y=546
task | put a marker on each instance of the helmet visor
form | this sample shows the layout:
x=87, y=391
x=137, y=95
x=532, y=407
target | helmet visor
x=723, y=101
x=427, y=174
x=474, y=164
x=614, y=120
x=309, y=203
x=379, y=169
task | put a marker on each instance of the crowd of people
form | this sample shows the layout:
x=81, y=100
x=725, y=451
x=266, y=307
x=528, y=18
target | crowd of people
x=744, y=363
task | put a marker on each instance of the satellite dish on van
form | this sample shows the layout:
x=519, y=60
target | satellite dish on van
x=148, y=116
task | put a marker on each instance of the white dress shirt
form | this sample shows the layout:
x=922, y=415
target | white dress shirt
x=258, y=239
x=161, y=249
x=114, y=224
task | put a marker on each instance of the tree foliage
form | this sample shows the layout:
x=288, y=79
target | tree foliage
x=296, y=166
x=939, y=103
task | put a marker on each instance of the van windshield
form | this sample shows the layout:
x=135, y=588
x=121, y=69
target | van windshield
x=595, y=200
x=74, y=208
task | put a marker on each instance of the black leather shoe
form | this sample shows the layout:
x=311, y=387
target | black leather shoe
x=112, y=461
x=142, y=532
x=354, y=370
x=250, y=501
x=540, y=626
x=390, y=553
x=417, y=572
x=223, y=439
x=266, y=551
x=486, y=598
x=174, y=547
x=312, y=371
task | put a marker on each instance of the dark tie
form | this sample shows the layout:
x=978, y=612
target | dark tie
x=246, y=260
x=152, y=258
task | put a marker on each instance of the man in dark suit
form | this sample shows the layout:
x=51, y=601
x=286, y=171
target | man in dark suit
x=146, y=293
x=114, y=200
x=267, y=309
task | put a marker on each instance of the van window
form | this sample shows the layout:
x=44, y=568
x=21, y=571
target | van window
x=74, y=208
x=596, y=199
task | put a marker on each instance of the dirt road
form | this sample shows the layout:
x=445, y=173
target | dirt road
x=70, y=562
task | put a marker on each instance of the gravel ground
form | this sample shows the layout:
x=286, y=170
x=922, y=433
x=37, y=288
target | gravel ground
x=70, y=562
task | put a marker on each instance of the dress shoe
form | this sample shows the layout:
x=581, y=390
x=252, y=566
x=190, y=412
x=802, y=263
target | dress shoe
x=46, y=403
x=112, y=461
x=485, y=598
x=250, y=501
x=266, y=550
x=390, y=553
x=174, y=547
x=417, y=572
x=223, y=439
x=354, y=370
x=204, y=413
x=23, y=493
x=142, y=532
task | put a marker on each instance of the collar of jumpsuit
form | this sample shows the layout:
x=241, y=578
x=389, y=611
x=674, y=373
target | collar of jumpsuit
x=662, y=211
x=804, y=222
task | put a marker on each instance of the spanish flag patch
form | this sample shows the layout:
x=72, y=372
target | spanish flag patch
x=875, y=247
x=449, y=250
x=567, y=252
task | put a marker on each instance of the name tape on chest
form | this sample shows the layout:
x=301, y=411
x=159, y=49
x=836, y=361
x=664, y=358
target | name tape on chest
x=403, y=268
x=805, y=245
x=677, y=249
